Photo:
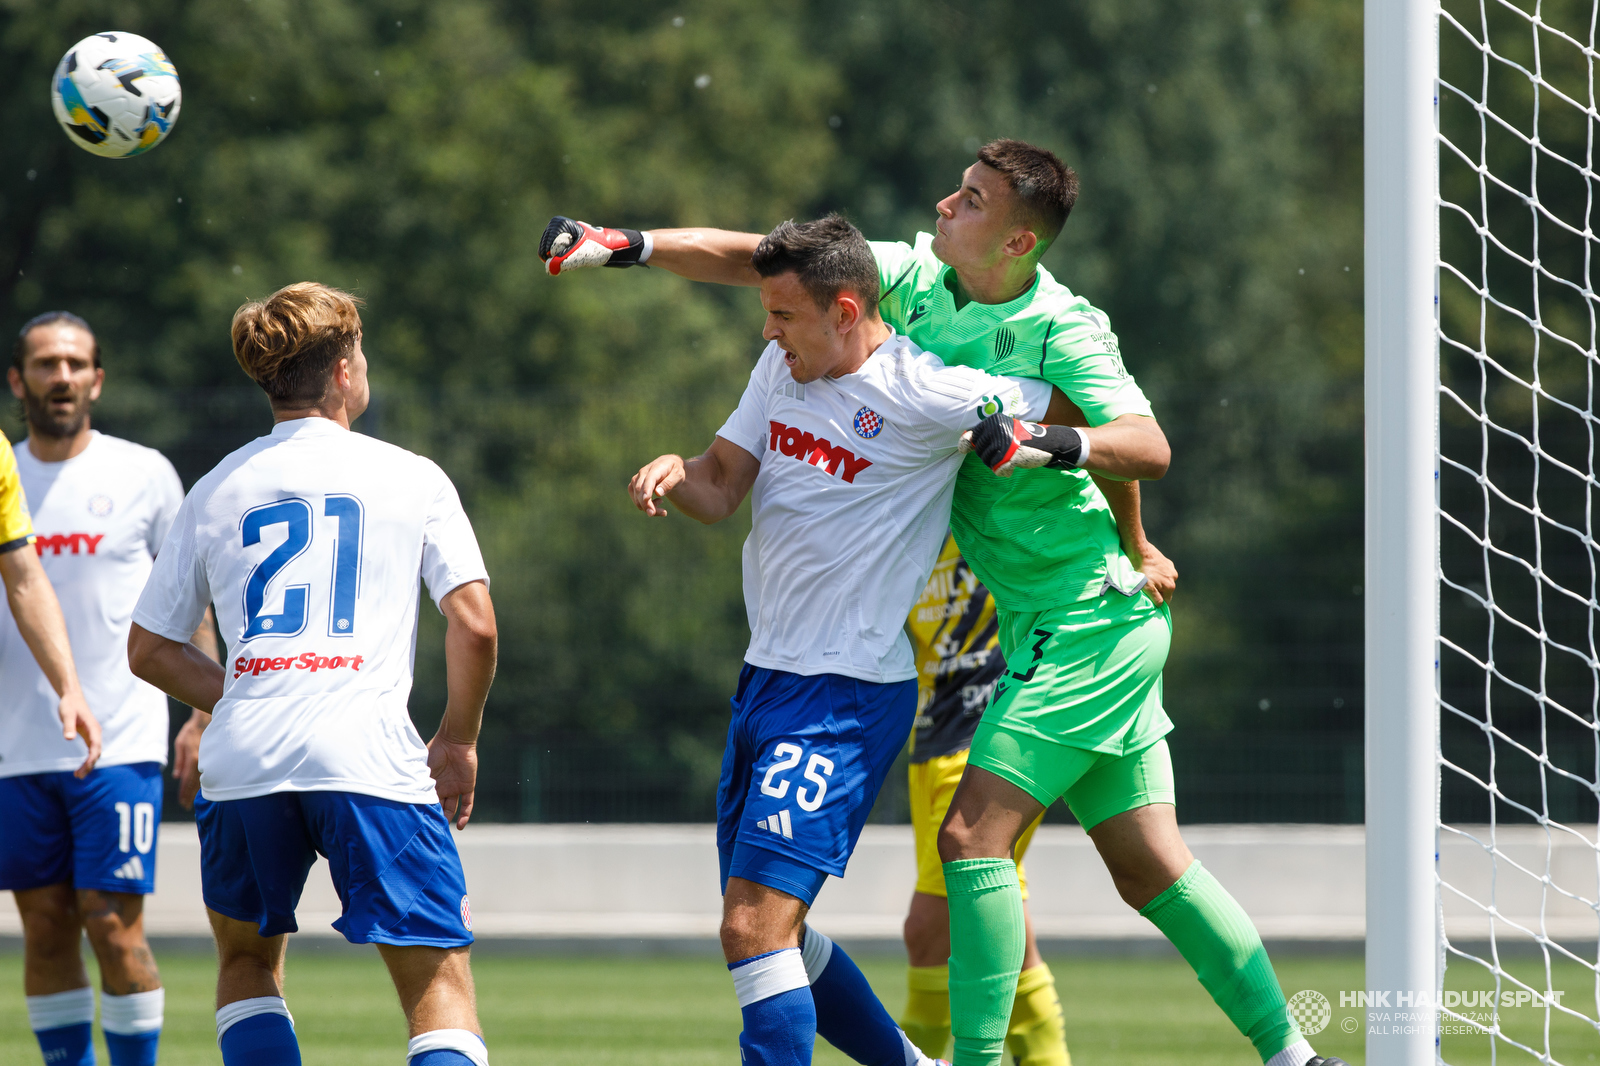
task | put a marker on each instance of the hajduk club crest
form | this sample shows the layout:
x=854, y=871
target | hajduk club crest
x=868, y=424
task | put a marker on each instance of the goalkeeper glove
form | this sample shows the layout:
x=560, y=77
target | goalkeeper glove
x=1005, y=443
x=568, y=244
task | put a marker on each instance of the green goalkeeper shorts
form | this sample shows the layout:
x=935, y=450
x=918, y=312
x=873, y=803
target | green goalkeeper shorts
x=1078, y=714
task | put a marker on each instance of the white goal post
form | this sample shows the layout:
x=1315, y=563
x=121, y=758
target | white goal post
x=1482, y=236
x=1402, y=526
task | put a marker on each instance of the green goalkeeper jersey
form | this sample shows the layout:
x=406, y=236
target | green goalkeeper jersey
x=1042, y=537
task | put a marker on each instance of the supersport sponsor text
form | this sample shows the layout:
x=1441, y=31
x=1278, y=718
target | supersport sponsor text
x=308, y=661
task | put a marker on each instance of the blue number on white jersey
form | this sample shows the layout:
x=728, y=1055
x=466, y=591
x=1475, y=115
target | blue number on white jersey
x=296, y=514
x=344, y=509
x=346, y=564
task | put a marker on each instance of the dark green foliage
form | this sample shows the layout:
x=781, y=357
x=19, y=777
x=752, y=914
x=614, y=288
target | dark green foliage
x=413, y=152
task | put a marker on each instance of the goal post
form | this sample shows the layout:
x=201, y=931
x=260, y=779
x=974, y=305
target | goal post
x=1402, y=524
x=1482, y=229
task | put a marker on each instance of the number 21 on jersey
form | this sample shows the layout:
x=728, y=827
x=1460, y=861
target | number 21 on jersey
x=346, y=515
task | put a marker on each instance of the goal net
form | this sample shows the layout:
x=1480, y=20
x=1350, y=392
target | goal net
x=1518, y=347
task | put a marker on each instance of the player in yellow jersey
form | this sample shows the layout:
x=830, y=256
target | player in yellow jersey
x=38, y=615
x=956, y=637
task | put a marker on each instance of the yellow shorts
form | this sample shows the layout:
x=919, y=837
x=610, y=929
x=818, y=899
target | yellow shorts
x=933, y=783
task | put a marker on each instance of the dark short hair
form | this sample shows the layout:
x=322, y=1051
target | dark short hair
x=829, y=255
x=1046, y=187
x=51, y=318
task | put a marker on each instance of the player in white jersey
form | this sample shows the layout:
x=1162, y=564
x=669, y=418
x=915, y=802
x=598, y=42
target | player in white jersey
x=310, y=542
x=847, y=442
x=80, y=852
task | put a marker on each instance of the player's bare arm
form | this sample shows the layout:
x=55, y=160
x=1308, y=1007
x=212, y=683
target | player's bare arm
x=707, y=488
x=182, y=671
x=1161, y=576
x=471, y=643
x=714, y=255
x=1128, y=448
x=38, y=616
x=186, y=745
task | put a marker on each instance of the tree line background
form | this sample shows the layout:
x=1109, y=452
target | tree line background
x=412, y=152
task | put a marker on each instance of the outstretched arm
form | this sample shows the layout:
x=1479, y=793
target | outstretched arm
x=708, y=488
x=38, y=616
x=715, y=255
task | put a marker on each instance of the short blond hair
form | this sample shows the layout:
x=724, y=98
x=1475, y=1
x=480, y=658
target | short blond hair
x=289, y=342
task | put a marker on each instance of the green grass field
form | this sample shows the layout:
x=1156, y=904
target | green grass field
x=680, y=1011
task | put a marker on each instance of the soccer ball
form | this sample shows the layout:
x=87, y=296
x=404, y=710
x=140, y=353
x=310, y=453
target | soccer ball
x=117, y=94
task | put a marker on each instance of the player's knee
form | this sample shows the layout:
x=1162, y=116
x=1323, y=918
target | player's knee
x=919, y=931
x=927, y=941
x=739, y=930
x=52, y=925
x=112, y=918
x=1136, y=888
x=956, y=841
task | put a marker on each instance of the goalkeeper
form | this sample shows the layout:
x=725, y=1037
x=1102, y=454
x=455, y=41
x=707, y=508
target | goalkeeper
x=1078, y=714
x=956, y=637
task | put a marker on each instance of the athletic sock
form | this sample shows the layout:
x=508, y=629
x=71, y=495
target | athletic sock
x=447, y=1047
x=1296, y=1054
x=1037, y=1035
x=780, y=1018
x=1218, y=940
x=257, y=1032
x=132, y=1025
x=63, y=1023
x=987, y=938
x=849, y=1014
x=926, y=1018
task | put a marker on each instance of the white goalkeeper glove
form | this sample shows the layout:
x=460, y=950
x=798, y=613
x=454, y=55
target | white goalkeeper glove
x=568, y=244
x=1005, y=443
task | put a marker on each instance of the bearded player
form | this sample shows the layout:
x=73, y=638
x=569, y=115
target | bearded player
x=1079, y=714
x=79, y=852
x=311, y=541
x=847, y=442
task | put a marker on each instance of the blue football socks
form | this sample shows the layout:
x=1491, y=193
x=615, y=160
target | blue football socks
x=67, y=1045
x=63, y=1023
x=780, y=1021
x=132, y=1025
x=849, y=1015
x=257, y=1032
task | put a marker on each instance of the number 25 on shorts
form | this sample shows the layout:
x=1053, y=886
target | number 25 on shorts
x=785, y=758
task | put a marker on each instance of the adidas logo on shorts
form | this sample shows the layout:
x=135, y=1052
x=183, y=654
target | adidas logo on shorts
x=778, y=823
x=132, y=870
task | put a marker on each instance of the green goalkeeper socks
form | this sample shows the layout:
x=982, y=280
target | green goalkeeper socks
x=1215, y=936
x=987, y=938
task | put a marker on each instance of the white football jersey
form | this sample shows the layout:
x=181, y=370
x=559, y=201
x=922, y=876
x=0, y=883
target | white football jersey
x=310, y=542
x=100, y=517
x=850, y=508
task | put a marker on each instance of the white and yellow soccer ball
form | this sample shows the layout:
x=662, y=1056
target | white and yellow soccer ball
x=116, y=94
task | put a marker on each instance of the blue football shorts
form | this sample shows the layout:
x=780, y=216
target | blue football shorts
x=394, y=865
x=97, y=833
x=805, y=759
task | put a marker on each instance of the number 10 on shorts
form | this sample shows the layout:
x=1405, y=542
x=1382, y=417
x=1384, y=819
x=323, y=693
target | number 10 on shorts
x=136, y=826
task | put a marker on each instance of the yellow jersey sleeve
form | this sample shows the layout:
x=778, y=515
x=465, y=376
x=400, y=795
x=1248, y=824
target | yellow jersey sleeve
x=16, y=525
